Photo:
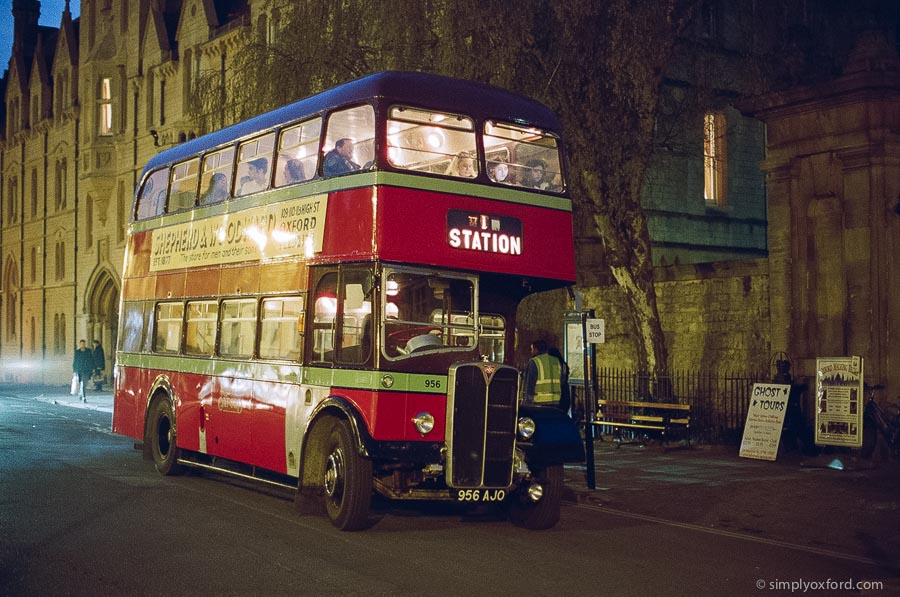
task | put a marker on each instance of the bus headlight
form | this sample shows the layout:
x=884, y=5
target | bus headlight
x=526, y=427
x=424, y=422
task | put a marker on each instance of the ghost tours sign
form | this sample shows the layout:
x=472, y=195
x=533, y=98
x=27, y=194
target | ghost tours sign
x=765, y=418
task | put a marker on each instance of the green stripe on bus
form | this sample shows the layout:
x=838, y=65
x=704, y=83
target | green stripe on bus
x=268, y=371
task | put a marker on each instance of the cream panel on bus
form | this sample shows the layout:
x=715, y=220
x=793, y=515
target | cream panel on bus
x=301, y=404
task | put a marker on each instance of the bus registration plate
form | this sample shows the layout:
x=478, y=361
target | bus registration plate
x=478, y=495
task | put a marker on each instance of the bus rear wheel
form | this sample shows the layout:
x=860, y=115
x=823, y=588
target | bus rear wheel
x=347, y=480
x=161, y=434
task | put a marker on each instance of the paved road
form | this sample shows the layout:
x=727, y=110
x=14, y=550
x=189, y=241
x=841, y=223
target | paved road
x=81, y=513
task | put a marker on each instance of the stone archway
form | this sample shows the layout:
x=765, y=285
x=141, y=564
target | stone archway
x=10, y=325
x=103, y=311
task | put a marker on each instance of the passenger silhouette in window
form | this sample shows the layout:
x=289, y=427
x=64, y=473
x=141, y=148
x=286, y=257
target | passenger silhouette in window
x=293, y=172
x=256, y=179
x=339, y=160
x=217, y=189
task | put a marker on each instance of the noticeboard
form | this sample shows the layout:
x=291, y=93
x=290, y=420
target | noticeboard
x=575, y=345
x=839, y=401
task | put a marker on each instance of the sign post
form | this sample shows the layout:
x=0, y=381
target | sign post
x=582, y=332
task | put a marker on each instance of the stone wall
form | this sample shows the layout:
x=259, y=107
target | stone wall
x=715, y=317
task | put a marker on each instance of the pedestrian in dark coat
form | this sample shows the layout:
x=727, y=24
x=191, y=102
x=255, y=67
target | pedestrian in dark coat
x=99, y=365
x=83, y=366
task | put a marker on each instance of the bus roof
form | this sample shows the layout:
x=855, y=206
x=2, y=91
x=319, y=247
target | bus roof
x=425, y=90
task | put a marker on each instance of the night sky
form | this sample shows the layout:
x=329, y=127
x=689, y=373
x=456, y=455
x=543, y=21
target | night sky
x=51, y=14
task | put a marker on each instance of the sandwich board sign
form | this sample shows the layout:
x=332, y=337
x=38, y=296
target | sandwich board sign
x=765, y=418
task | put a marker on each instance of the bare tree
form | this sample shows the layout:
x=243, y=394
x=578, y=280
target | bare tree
x=599, y=64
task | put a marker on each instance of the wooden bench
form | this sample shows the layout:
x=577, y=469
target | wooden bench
x=664, y=419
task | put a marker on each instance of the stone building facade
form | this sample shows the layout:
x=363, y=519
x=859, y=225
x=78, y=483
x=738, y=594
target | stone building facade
x=87, y=105
x=833, y=171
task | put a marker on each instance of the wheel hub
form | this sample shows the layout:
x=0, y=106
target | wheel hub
x=334, y=474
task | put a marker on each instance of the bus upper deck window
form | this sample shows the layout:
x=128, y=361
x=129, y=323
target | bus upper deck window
x=152, y=198
x=254, y=169
x=523, y=157
x=349, y=141
x=216, y=178
x=433, y=142
x=183, y=187
x=298, y=148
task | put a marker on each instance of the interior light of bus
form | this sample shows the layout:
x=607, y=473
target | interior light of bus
x=391, y=310
x=392, y=288
x=326, y=308
x=435, y=139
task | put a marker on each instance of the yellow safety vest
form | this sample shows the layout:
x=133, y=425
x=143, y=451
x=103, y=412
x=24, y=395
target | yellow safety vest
x=548, y=385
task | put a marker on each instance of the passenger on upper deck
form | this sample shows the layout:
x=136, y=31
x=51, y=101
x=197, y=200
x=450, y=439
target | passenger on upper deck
x=256, y=180
x=534, y=177
x=293, y=172
x=338, y=160
x=463, y=165
x=498, y=169
x=217, y=189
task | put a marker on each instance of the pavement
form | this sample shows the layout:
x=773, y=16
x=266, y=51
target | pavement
x=832, y=502
x=94, y=400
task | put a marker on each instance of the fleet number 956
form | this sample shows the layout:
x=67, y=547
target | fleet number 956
x=432, y=384
x=479, y=495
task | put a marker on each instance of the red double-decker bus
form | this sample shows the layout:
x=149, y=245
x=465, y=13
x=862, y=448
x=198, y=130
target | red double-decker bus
x=324, y=297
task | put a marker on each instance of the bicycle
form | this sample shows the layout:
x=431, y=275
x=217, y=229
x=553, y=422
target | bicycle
x=877, y=419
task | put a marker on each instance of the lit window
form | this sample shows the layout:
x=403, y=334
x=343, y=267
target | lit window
x=714, y=158
x=434, y=142
x=254, y=159
x=350, y=141
x=523, y=157
x=298, y=149
x=200, y=335
x=281, y=328
x=183, y=187
x=168, y=327
x=216, y=178
x=238, y=328
x=106, y=127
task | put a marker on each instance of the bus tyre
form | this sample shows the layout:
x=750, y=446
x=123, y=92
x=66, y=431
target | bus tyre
x=544, y=513
x=347, y=481
x=161, y=432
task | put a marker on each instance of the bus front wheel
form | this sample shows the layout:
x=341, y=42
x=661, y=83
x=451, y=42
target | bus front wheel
x=347, y=481
x=544, y=513
x=161, y=434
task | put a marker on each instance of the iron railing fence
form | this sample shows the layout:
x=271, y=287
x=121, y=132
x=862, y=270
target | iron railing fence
x=719, y=399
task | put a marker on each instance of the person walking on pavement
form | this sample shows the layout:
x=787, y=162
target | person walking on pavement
x=99, y=365
x=543, y=377
x=82, y=365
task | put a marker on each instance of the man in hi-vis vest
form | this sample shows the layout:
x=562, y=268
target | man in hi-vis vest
x=543, y=377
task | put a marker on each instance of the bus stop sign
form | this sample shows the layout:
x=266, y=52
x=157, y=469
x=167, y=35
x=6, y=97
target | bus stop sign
x=596, y=331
